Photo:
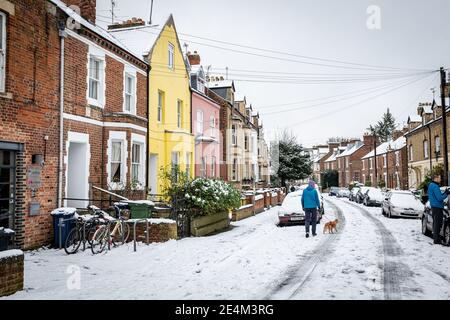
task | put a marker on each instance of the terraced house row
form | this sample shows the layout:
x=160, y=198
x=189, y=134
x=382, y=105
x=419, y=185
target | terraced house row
x=84, y=107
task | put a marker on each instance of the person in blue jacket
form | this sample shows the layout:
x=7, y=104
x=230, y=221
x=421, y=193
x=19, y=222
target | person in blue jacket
x=310, y=204
x=436, y=198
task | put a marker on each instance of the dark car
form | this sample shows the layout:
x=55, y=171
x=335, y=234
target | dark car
x=291, y=212
x=352, y=196
x=334, y=191
x=427, y=222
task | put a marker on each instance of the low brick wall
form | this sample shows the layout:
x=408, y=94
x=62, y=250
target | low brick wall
x=11, y=272
x=267, y=199
x=281, y=196
x=160, y=230
x=243, y=213
x=273, y=199
x=259, y=205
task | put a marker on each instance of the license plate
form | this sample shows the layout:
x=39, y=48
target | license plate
x=296, y=219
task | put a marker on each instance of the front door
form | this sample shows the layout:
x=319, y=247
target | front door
x=7, y=188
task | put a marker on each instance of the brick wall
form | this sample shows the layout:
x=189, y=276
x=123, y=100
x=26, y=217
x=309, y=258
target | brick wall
x=11, y=272
x=158, y=232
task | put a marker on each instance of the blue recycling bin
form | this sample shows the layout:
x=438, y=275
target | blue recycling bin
x=63, y=223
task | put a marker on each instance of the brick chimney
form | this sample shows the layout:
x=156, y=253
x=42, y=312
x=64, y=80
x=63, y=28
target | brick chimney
x=369, y=140
x=194, y=58
x=87, y=8
x=130, y=23
x=397, y=134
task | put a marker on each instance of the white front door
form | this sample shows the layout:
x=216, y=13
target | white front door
x=77, y=175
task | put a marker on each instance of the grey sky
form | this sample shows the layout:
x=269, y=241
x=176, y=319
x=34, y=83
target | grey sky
x=409, y=37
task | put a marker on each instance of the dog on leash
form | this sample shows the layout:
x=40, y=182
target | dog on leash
x=331, y=226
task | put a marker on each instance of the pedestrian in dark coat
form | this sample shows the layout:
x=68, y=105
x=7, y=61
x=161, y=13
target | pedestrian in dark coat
x=437, y=198
x=311, y=205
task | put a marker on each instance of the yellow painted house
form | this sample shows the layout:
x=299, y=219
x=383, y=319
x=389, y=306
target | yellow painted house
x=170, y=139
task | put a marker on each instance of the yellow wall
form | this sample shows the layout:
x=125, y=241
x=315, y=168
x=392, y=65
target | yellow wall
x=174, y=83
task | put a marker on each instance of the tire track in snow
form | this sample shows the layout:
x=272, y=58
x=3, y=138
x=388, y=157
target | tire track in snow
x=300, y=273
x=393, y=269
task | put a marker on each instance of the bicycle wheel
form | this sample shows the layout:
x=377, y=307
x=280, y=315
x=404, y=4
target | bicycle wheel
x=122, y=234
x=100, y=239
x=73, y=241
x=90, y=231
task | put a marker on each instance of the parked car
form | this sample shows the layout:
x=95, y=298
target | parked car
x=402, y=204
x=343, y=193
x=373, y=197
x=352, y=195
x=334, y=191
x=361, y=194
x=427, y=222
x=291, y=212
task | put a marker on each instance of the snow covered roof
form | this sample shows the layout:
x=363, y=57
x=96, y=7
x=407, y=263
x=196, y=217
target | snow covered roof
x=94, y=28
x=351, y=149
x=414, y=118
x=239, y=97
x=332, y=158
x=382, y=149
x=196, y=68
x=221, y=84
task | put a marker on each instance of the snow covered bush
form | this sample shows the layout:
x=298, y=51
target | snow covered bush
x=209, y=196
x=202, y=196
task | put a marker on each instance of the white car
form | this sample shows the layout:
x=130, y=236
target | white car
x=373, y=197
x=291, y=211
x=402, y=204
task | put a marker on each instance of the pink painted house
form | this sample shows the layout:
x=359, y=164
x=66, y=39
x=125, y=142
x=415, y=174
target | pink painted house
x=205, y=123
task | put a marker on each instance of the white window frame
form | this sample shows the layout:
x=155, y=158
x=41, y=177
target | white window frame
x=137, y=139
x=171, y=56
x=118, y=136
x=160, y=107
x=212, y=126
x=371, y=163
x=98, y=55
x=426, y=154
x=384, y=160
x=200, y=119
x=397, y=158
x=234, y=171
x=233, y=135
x=130, y=74
x=177, y=156
x=410, y=151
x=437, y=144
x=180, y=114
x=3, y=51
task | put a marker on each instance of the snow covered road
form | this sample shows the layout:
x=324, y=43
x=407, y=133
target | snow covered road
x=372, y=257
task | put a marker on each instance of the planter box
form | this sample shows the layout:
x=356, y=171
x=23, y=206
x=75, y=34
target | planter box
x=243, y=213
x=203, y=226
x=273, y=199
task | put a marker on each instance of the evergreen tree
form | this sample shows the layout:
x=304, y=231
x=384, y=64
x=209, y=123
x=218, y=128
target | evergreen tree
x=384, y=128
x=293, y=162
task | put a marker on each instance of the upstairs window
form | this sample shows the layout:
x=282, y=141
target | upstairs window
x=425, y=149
x=160, y=106
x=130, y=93
x=411, y=153
x=212, y=126
x=2, y=51
x=233, y=135
x=437, y=144
x=171, y=56
x=180, y=114
x=96, y=81
x=200, y=122
x=246, y=142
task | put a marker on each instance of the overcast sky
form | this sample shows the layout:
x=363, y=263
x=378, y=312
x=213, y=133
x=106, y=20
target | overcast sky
x=410, y=37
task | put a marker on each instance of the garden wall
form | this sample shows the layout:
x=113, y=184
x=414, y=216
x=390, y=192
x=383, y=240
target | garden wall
x=11, y=272
x=160, y=230
x=243, y=212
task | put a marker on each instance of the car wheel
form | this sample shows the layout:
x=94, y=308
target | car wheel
x=447, y=234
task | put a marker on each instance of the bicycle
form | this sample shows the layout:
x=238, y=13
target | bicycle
x=103, y=236
x=82, y=233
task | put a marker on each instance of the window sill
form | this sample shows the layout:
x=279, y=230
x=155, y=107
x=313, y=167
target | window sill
x=95, y=103
x=6, y=95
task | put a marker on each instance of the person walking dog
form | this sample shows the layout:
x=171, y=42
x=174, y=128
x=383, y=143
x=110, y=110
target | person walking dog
x=437, y=198
x=311, y=205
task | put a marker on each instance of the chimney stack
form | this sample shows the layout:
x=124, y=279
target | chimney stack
x=194, y=58
x=130, y=23
x=87, y=8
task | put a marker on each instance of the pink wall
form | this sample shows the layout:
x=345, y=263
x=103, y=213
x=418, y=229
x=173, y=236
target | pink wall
x=206, y=148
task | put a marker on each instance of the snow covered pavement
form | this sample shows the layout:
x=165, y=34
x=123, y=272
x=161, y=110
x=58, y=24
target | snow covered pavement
x=371, y=257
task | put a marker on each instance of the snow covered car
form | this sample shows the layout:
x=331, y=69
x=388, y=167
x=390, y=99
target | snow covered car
x=361, y=194
x=373, y=197
x=334, y=191
x=427, y=222
x=402, y=204
x=352, y=195
x=291, y=211
x=343, y=193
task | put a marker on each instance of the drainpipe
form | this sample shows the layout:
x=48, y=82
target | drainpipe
x=62, y=36
x=147, y=151
x=429, y=147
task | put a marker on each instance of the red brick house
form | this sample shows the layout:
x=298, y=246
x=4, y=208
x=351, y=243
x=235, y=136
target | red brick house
x=74, y=113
